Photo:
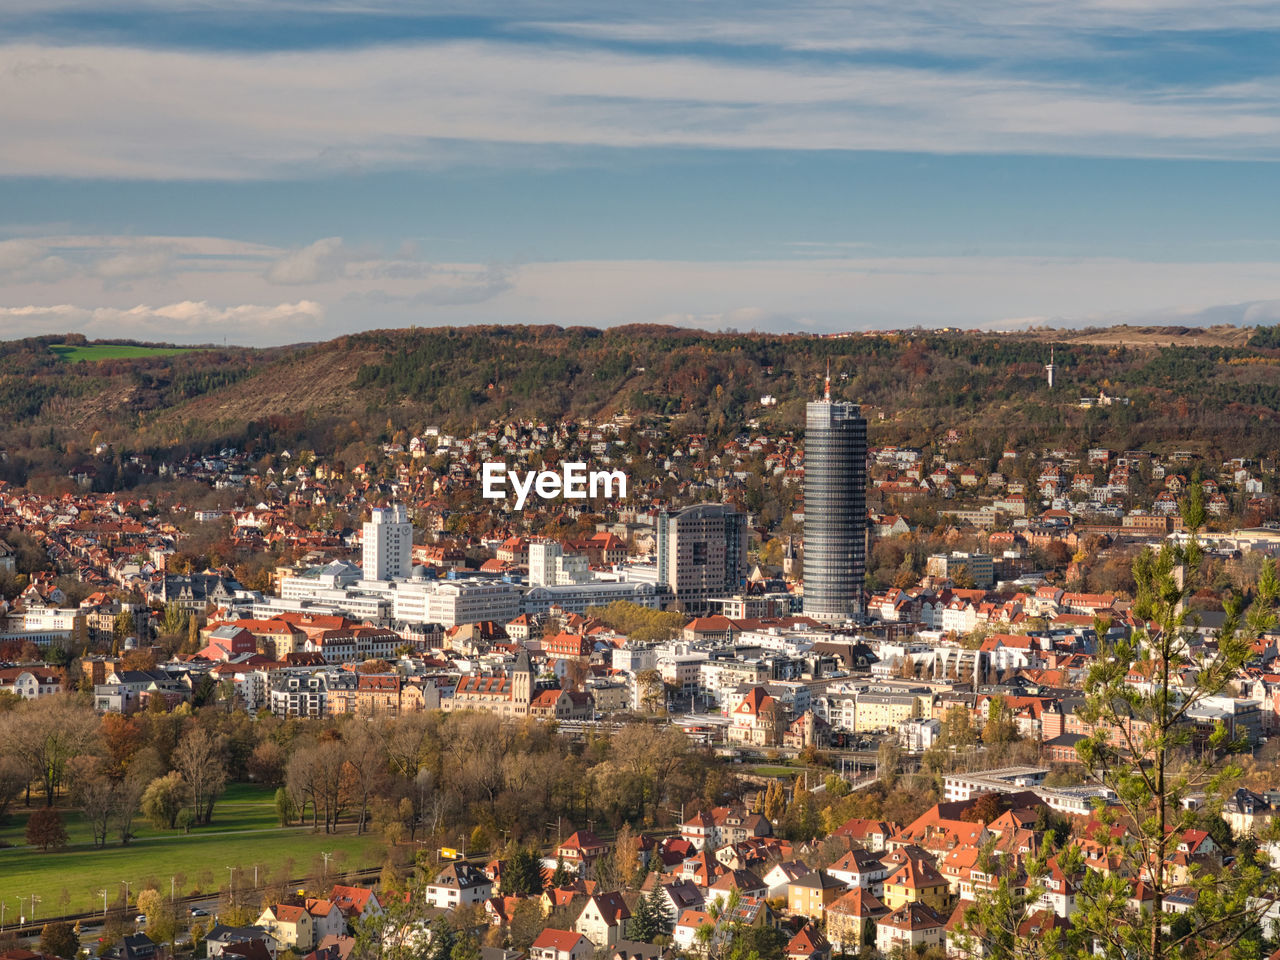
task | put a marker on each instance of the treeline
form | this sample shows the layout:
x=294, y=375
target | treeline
x=448, y=776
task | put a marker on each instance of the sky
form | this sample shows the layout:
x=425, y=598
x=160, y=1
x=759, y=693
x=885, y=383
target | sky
x=273, y=171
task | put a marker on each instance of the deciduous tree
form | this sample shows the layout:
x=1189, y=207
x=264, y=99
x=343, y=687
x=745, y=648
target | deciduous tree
x=164, y=799
x=201, y=760
x=45, y=829
x=59, y=939
x=43, y=734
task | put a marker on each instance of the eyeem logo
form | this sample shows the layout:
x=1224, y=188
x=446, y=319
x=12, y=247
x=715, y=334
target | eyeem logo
x=573, y=482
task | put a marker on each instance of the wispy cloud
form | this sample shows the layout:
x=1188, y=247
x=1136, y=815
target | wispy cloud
x=144, y=113
x=316, y=262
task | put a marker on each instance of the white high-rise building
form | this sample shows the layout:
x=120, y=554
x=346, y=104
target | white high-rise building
x=388, y=544
x=549, y=567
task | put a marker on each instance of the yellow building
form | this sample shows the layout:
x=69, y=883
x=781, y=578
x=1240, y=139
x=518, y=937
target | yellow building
x=916, y=881
x=290, y=926
x=809, y=896
x=884, y=711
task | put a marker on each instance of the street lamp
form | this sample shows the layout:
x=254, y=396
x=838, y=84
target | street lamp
x=103, y=894
x=34, y=901
x=326, y=855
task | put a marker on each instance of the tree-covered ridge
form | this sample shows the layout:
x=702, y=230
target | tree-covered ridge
x=35, y=381
x=916, y=386
x=921, y=381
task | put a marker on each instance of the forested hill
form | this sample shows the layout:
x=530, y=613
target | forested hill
x=915, y=386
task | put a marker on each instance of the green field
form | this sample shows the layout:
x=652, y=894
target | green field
x=112, y=351
x=245, y=833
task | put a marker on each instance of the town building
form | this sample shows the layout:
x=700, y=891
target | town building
x=387, y=544
x=835, y=509
x=702, y=554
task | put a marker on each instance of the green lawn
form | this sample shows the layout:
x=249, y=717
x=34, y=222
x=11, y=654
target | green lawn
x=245, y=833
x=112, y=351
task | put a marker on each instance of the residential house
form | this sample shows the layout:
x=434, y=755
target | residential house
x=581, y=850
x=780, y=876
x=744, y=881
x=911, y=927
x=808, y=944
x=355, y=903
x=290, y=925
x=553, y=944
x=326, y=919
x=809, y=895
x=604, y=918
x=916, y=881
x=851, y=920
x=860, y=869
x=458, y=885
x=221, y=938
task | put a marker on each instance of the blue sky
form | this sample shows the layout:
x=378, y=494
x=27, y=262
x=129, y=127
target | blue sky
x=269, y=171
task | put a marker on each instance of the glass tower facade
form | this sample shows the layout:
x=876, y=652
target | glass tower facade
x=835, y=510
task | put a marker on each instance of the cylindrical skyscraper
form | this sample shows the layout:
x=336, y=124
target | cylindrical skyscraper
x=835, y=510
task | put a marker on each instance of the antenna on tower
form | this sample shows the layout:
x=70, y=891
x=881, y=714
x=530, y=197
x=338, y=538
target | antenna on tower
x=826, y=387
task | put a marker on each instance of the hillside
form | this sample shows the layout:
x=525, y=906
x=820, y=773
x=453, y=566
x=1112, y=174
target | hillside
x=1215, y=391
x=1222, y=335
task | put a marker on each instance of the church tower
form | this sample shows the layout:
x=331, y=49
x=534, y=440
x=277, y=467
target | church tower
x=522, y=681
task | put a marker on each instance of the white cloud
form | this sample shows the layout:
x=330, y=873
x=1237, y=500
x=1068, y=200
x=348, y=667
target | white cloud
x=127, y=266
x=404, y=279
x=315, y=263
x=142, y=113
x=452, y=285
x=30, y=260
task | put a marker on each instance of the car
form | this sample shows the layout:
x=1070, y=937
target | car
x=140, y=918
x=197, y=912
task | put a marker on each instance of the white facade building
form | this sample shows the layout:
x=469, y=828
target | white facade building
x=388, y=544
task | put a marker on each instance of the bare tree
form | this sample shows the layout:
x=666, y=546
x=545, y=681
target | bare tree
x=14, y=778
x=366, y=767
x=201, y=759
x=331, y=790
x=96, y=795
x=302, y=777
x=128, y=802
x=43, y=734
